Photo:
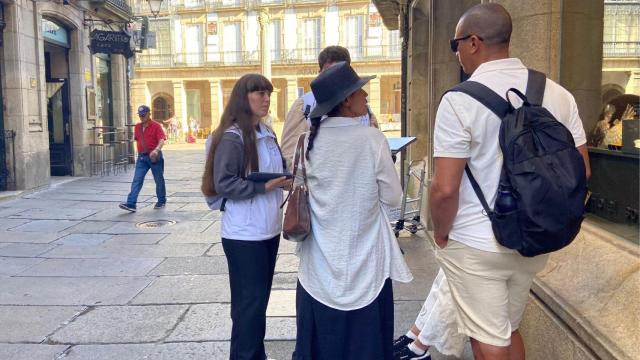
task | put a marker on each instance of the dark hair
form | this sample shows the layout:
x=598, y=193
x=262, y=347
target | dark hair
x=238, y=113
x=333, y=53
x=315, y=127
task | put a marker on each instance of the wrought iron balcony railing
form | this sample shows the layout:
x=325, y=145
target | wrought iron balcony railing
x=621, y=49
x=222, y=58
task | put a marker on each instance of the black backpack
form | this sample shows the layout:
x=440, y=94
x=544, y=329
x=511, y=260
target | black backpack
x=541, y=194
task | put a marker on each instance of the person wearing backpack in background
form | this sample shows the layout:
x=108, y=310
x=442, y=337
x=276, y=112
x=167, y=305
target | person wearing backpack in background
x=490, y=283
x=297, y=120
x=251, y=218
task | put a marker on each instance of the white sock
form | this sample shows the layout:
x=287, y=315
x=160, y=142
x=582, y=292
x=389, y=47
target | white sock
x=411, y=335
x=416, y=350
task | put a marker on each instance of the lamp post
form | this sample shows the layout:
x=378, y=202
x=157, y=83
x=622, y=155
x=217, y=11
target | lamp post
x=154, y=6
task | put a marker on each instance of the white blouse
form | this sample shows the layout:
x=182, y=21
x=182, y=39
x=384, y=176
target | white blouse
x=352, y=249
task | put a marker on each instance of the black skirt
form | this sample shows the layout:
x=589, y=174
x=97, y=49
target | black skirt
x=325, y=333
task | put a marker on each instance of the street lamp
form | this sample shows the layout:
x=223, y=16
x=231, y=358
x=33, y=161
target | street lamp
x=154, y=6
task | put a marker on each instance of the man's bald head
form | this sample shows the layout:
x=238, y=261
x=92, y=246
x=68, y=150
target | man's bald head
x=489, y=21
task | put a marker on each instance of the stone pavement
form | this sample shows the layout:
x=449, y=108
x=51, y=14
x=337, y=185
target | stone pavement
x=82, y=279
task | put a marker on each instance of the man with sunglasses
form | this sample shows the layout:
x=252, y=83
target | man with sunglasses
x=149, y=137
x=489, y=283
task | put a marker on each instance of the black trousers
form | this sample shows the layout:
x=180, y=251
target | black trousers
x=251, y=267
x=325, y=333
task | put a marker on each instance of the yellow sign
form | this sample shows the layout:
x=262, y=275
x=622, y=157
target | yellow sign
x=87, y=75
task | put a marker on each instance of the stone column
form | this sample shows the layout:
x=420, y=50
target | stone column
x=275, y=100
x=633, y=86
x=292, y=91
x=265, y=51
x=216, y=102
x=374, y=98
x=138, y=96
x=180, y=101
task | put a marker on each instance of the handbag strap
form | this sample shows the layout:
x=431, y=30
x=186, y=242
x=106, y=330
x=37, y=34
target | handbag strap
x=300, y=159
x=296, y=160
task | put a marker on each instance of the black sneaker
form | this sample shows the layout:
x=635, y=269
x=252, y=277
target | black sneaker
x=159, y=205
x=407, y=354
x=401, y=343
x=124, y=206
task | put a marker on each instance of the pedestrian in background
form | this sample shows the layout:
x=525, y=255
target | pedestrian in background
x=297, y=120
x=344, y=297
x=149, y=137
x=251, y=218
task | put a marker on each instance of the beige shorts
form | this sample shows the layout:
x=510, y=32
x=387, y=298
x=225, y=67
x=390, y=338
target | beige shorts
x=489, y=290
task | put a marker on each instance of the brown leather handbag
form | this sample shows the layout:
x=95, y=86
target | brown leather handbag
x=297, y=218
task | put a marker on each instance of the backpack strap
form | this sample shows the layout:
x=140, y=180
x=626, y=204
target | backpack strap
x=535, y=87
x=498, y=106
x=483, y=95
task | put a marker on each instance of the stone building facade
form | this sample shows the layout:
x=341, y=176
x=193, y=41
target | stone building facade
x=54, y=91
x=583, y=305
x=203, y=47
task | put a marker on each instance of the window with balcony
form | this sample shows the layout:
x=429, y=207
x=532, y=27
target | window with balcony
x=161, y=55
x=232, y=43
x=394, y=44
x=193, y=36
x=275, y=32
x=354, y=36
x=621, y=29
x=311, y=39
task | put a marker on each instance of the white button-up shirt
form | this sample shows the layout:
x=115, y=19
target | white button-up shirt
x=352, y=249
x=467, y=129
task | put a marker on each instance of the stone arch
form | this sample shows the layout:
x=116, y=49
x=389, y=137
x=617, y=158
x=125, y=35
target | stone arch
x=610, y=91
x=162, y=106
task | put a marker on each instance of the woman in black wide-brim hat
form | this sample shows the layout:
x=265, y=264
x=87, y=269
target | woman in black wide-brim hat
x=344, y=298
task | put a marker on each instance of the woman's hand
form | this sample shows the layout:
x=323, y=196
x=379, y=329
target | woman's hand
x=276, y=183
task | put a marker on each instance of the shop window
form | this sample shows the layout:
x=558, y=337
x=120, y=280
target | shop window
x=614, y=142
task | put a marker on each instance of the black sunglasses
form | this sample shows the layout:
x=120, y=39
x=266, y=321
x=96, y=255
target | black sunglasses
x=454, y=42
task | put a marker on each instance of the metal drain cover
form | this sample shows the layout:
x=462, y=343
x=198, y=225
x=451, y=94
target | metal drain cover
x=155, y=224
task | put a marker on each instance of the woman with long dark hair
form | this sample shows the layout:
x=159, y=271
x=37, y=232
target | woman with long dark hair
x=251, y=217
x=344, y=298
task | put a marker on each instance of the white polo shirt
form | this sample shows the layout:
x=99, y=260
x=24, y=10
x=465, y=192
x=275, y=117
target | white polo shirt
x=465, y=128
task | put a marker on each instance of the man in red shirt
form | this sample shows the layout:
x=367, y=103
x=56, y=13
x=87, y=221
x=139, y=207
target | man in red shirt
x=150, y=138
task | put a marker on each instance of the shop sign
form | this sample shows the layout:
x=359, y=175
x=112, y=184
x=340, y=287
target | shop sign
x=110, y=42
x=55, y=33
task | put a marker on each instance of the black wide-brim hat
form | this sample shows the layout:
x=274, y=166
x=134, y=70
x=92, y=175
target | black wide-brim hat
x=334, y=85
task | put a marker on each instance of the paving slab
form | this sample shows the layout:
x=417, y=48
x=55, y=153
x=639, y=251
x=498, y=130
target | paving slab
x=215, y=250
x=135, y=239
x=46, y=226
x=280, y=349
x=10, y=266
x=54, y=214
x=196, y=206
x=282, y=303
x=204, y=322
x=70, y=291
x=192, y=266
x=284, y=281
x=31, y=351
x=24, y=249
x=191, y=238
x=172, y=351
x=29, y=237
x=120, y=324
x=6, y=224
x=33, y=323
x=83, y=239
x=127, y=251
x=287, y=247
x=287, y=263
x=8, y=211
x=89, y=227
x=186, y=289
x=184, y=226
x=93, y=267
x=281, y=328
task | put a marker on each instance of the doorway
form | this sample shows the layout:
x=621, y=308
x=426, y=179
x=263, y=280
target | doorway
x=56, y=56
